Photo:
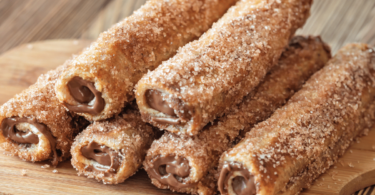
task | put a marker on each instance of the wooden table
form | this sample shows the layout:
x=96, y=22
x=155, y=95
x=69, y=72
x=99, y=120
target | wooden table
x=24, y=21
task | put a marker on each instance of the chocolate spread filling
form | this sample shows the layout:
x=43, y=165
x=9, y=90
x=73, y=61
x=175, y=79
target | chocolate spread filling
x=9, y=129
x=171, y=170
x=155, y=100
x=85, y=92
x=243, y=184
x=105, y=156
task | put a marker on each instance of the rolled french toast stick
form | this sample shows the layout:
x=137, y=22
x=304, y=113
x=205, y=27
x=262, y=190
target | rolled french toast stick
x=209, y=76
x=111, y=151
x=301, y=140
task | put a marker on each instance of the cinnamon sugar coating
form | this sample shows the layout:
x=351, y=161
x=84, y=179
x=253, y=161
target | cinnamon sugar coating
x=214, y=73
x=304, y=138
x=39, y=103
x=126, y=134
x=139, y=43
x=303, y=57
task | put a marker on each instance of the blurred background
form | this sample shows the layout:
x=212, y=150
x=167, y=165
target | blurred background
x=24, y=21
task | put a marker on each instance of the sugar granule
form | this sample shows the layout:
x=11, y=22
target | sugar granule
x=23, y=172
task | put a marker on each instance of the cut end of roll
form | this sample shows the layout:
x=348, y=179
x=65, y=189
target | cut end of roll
x=107, y=160
x=24, y=132
x=172, y=171
x=89, y=100
x=10, y=130
x=172, y=111
x=234, y=179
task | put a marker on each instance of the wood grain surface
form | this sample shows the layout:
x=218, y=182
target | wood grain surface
x=24, y=21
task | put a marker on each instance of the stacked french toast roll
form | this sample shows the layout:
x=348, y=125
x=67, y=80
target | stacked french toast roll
x=188, y=164
x=301, y=140
x=209, y=76
x=113, y=150
x=100, y=81
x=35, y=126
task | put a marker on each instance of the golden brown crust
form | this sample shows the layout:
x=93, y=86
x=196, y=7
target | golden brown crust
x=126, y=134
x=305, y=137
x=39, y=102
x=139, y=43
x=303, y=57
x=214, y=73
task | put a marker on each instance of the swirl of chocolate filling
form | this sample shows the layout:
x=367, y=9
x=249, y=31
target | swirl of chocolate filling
x=242, y=184
x=171, y=170
x=9, y=129
x=156, y=100
x=108, y=159
x=84, y=92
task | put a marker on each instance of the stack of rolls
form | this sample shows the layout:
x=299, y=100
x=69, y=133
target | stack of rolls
x=241, y=113
x=100, y=82
x=42, y=121
x=187, y=164
x=209, y=77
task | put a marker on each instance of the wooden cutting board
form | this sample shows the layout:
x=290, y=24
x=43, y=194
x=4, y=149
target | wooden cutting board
x=20, y=68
